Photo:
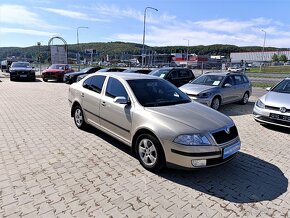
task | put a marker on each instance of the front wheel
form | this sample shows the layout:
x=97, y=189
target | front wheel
x=150, y=153
x=44, y=80
x=215, y=104
x=79, y=117
x=245, y=98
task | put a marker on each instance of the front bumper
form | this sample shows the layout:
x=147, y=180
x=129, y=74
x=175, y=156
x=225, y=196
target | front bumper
x=200, y=156
x=18, y=76
x=205, y=101
x=263, y=116
x=53, y=76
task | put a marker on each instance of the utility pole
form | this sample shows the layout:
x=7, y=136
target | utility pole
x=78, y=54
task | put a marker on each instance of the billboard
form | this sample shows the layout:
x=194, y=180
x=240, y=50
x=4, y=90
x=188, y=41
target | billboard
x=58, y=54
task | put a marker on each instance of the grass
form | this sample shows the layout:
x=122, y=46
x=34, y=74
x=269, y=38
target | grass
x=263, y=85
x=271, y=69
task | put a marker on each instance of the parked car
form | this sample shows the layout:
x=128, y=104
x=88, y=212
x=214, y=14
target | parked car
x=236, y=69
x=138, y=70
x=152, y=116
x=102, y=70
x=21, y=70
x=72, y=77
x=176, y=75
x=274, y=106
x=56, y=72
x=216, y=89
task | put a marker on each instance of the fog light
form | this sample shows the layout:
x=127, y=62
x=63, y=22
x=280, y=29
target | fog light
x=198, y=163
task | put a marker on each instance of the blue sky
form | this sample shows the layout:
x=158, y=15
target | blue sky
x=200, y=22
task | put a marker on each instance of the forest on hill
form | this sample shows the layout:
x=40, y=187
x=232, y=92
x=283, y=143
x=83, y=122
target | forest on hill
x=121, y=50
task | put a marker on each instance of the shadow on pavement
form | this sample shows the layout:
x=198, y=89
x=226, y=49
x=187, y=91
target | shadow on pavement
x=237, y=109
x=277, y=128
x=245, y=179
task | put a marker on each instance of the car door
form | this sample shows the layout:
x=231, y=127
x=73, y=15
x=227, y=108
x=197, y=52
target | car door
x=172, y=77
x=184, y=75
x=241, y=87
x=116, y=118
x=228, y=90
x=91, y=97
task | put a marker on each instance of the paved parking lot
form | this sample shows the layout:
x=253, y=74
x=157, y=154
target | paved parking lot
x=49, y=168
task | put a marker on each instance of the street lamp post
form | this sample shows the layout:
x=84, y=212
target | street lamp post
x=39, y=63
x=187, y=53
x=78, y=54
x=143, y=47
x=263, y=49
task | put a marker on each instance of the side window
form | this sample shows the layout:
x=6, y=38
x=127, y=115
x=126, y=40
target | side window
x=229, y=80
x=174, y=74
x=87, y=83
x=245, y=79
x=184, y=74
x=115, y=88
x=238, y=79
x=97, y=83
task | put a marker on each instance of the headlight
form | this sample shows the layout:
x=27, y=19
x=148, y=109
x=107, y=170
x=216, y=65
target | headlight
x=260, y=104
x=204, y=95
x=193, y=139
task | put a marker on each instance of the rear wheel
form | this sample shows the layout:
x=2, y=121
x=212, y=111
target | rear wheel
x=44, y=80
x=79, y=117
x=216, y=103
x=245, y=98
x=150, y=153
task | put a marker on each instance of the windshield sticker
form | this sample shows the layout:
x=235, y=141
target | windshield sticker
x=216, y=83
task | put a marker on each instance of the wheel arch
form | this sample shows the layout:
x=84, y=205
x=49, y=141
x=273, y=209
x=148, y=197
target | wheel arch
x=76, y=103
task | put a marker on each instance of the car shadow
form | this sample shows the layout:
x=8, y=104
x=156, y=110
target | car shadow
x=236, y=109
x=245, y=179
x=26, y=81
x=277, y=128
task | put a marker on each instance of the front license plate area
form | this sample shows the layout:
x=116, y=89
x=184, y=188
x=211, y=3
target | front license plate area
x=23, y=75
x=230, y=150
x=279, y=117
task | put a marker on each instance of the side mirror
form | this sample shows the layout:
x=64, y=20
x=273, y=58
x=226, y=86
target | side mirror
x=227, y=85
x=268, y=89
x=121, y=100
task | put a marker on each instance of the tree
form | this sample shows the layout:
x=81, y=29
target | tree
x=275, y=58
x=283, y=58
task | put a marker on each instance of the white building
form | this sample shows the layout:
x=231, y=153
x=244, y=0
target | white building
x=257, y=56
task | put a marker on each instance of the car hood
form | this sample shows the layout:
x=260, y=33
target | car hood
x=276, y=99
x=194, y=115
x=21, y=69
x=195, y=89
x=53, y=70
x=75, y=73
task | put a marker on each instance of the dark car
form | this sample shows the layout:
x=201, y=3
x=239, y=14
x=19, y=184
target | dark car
x=176, y=75
x=21, y=70
x=56, y=72
x=72, y=77
x=142, y=71
x=102, y=70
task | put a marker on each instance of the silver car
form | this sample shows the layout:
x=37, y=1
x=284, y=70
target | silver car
x=274, y=106
x=158, y=121
x=216, y=89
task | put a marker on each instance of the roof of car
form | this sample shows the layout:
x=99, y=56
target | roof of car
x=224, y=73
x=126, y=76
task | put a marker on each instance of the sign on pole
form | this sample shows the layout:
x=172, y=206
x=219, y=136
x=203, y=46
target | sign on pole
x=58, y=54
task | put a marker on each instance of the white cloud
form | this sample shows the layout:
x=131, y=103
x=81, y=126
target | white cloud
x=17, y=14
x=73, y=14
x=25, y=31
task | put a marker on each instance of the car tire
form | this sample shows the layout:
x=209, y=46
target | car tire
x=216, y=103
x=79, y=117
x=44, y=80
x=245, y=98
x=150, y=153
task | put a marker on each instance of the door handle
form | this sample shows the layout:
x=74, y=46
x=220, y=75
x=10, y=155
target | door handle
x=83, y=95
x=103, y=103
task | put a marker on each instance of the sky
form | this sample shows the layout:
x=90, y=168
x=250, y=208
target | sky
x=23, y=23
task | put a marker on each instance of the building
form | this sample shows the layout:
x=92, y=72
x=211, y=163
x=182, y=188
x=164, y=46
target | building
x=257, y=56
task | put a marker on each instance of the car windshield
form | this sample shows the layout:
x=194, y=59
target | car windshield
x=209, y=80
x=282, y=87
x=160, y=72
x=25, y=65
x=57, y=66
x=85, y=70
x=156, y=93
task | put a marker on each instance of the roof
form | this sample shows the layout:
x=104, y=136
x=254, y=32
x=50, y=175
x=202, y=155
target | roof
x=126, y=76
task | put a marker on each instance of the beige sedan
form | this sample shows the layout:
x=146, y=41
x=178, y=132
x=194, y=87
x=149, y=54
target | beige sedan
x=158, y=121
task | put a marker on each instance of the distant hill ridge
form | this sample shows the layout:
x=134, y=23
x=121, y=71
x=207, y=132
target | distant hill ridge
x=124, y=50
